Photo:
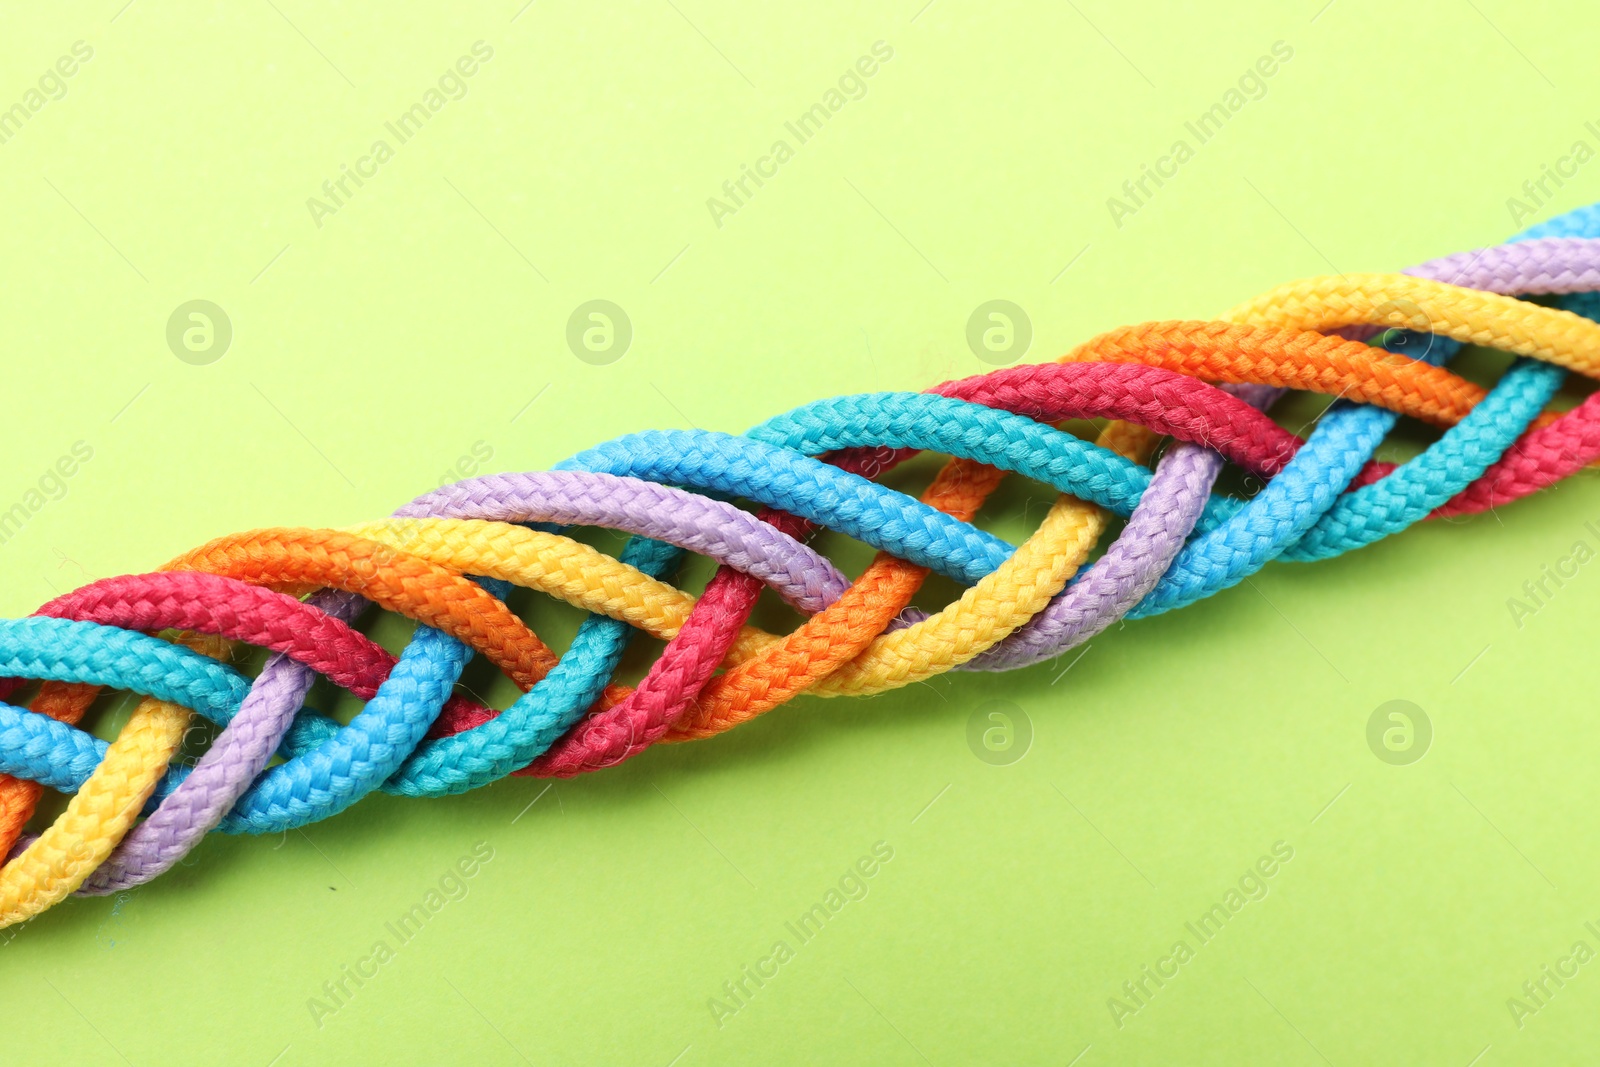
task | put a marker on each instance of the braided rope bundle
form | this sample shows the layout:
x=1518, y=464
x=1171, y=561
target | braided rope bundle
x=448, y=559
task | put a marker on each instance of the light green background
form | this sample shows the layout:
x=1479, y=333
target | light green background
x=372, y=352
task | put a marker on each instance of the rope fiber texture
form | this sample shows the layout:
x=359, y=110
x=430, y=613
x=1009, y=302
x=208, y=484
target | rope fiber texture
x=1379, y=345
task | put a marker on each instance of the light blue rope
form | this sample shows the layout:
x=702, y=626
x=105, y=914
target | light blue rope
x=1303, y=513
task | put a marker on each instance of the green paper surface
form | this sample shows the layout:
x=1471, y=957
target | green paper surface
x=437, y=320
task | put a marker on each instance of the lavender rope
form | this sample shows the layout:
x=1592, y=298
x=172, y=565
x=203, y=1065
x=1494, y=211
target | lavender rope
x=1134, y=563
x=1103, y=593
x=240, y=753
x=1131, y=566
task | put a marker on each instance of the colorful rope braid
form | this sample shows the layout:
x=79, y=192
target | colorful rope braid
x=448, y=559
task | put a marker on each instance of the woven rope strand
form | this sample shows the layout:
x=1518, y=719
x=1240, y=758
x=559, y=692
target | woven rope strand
x=1332, y=495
